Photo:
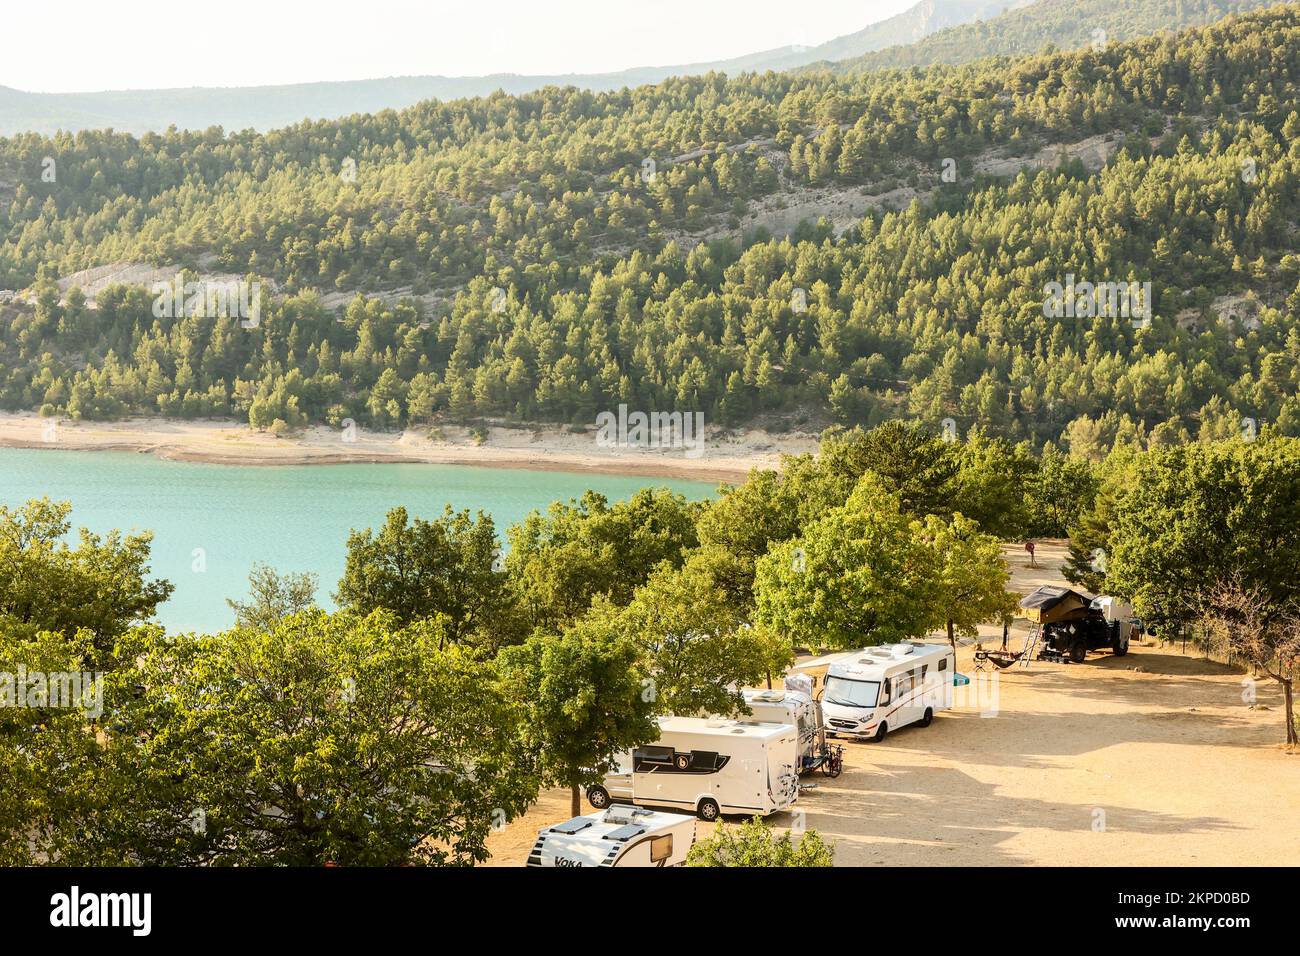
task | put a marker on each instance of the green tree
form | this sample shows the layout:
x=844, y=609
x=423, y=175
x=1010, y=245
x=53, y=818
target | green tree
x=273, y=597
x=919, y=468
x=328, y=739
x=738, y=527
x=1088, y=557
x=754, y=844
x=972, y=577
x=992, y=478
x=448, y=570
x=587, y=697
x=1063, y=489
x=48, y=751
x=860, y=575
x=1205, y=512
x=581, y=550
x=101, y=586
x=698, y=651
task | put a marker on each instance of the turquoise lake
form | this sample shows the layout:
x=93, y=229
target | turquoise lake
x=293, y=517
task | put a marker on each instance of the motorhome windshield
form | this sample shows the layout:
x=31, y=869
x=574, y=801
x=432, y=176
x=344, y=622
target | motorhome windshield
x=852, y=693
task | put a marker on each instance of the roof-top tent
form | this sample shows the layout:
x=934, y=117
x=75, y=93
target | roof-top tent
x=1050, y=604
x=1071, y=624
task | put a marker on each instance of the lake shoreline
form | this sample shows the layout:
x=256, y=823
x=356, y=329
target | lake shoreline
x=726, y=457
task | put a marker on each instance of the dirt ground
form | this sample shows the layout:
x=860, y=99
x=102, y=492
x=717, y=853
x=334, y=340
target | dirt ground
x=1150, y=759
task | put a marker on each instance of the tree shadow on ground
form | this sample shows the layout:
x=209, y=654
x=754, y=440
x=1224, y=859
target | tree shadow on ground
x=943, y=816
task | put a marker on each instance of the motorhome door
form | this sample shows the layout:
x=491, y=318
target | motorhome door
x=906, y=700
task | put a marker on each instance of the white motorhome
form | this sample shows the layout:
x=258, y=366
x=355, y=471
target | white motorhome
x=790, y=707
x=619, y=836
x=870, y=692
x=709, y=767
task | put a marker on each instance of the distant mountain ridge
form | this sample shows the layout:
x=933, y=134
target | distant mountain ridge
x=270, y=107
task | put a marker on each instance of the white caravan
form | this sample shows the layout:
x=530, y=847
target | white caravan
x=870, y=692
x=619, y=836
x=790, y=707
x=709, y=767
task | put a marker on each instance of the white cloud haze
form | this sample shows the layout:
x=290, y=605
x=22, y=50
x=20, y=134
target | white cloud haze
x=83, y=45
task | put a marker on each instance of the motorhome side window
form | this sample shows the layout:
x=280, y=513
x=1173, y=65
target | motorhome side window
x=943, y=664
x=661, y=848
x=652, y=755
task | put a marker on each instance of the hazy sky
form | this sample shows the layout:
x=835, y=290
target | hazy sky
x=79, y=45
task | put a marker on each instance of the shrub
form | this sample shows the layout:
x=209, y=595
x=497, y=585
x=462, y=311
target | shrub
x=753, y=843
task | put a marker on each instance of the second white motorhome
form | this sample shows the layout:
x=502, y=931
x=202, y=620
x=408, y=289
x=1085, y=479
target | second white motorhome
x=789, y=707
x=870, y=692
x=709, y=767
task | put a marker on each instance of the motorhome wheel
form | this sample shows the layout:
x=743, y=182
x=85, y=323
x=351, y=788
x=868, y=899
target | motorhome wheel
x=598, y=797
x=880, y=733
x=929, y=716
x=708, y=810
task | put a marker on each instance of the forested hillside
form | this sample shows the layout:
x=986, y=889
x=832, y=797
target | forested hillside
x=1050, y=25
x=587, y=212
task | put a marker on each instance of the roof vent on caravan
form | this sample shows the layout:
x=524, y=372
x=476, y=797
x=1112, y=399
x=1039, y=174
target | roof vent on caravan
x=576, y=825
x=770, y=696
x=622, y=813
x=902, y=650
x=878, y=652
x=624, y=833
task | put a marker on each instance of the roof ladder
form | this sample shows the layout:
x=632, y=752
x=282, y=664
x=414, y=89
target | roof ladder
x=1031, y=647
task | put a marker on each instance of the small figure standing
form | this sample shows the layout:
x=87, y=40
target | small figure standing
x=1029, y=546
